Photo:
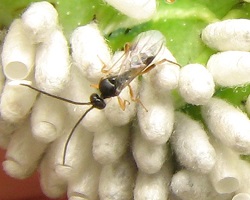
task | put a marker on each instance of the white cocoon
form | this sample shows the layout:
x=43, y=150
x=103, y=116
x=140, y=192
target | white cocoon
x=77, y=154
x=51, y=183
x=16, y=102
x=95, y=120
x=227, y=123
x=23, y=153
x=90, y=51
x=191, y=145
x=156, y=125
x=110, y=144
x=196, y=84
x=165, y=76
x=117, y=179
x=47, y=118
x=225, y=176
x=18, y=53
x=153, y=186
x=188, y=185
x=5, y=140
x=52, y=63
x=138, y=9
x=243, y=193
x=241, y=196
x=228, y=35
x=6, y=130
x=85, y=185
x=226, y=64
x=40, y=20
x=148, y=156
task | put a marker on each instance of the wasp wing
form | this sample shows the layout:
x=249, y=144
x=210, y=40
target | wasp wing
x=139, y=57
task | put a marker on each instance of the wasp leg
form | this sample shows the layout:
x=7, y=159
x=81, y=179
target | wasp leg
x=103, y=70
x=96, y=86
x=127, y=47
x=135, y=99
x=158, y=63
x=122, y=102
x=166, y=60
x=106, y=71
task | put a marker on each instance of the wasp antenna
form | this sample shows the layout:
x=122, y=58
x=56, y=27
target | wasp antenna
x=72, y=131
x=54, y=96
x=175, y=63
x=19, y=82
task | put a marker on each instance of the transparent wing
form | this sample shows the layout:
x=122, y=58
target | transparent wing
x=139, y=56
x=146, y=44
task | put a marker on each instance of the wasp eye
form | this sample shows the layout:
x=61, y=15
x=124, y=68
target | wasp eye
x=107, y=87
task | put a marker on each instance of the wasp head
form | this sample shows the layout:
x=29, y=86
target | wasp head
x=97, y=101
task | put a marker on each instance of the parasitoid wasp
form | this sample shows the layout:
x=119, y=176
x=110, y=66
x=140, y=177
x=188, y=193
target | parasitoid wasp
x=139, y=57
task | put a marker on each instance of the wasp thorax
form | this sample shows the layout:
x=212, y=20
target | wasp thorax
x=97, y=101
x=149, y=60
x=107, y=87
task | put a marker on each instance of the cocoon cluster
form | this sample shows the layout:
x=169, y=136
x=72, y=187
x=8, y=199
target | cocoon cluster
x=230, y=37
x=228, y=124
x=115, y=154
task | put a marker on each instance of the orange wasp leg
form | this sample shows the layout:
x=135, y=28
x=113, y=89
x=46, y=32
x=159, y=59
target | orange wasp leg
x=96, y=86
x=107, y=71
x=135, y=99
x=127, y=47
x=158, y=63
x=103, y=70
x=122, y=102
